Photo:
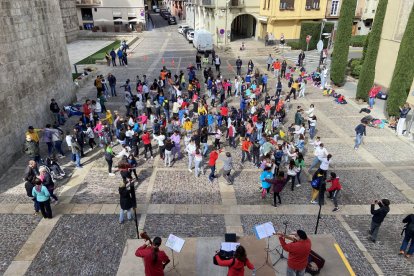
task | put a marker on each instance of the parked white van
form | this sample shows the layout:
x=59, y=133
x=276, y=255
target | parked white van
x=203, y=41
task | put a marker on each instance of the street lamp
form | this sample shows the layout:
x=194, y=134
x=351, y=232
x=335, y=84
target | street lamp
x=322, y=26
x=225, y=33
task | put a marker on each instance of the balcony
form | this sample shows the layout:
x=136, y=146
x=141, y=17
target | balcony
x=287, y=5
x=237, y=3
x=208, y=3
x=84, y=3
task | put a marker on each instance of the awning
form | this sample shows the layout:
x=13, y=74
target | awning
x=120, y=20
x=132, y=14
x=263, y=18
x=117, y=14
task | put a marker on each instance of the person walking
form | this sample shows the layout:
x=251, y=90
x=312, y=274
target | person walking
x=319, y=153
x=76, y=151
x=227, y=167
x=408, y=236
x=190, y=149
x=378, y=217
x=269, y=62
x=266, y=174
x=161, y=145
x=300, y=164
x=125, y=201
x=278, y=183
x=404, y=110
x=109, y=155
x=325, y=162
x=316, y=184
x=239, y=64
x=299, y=250
x=212, y=163
x=198, y=159
x=237, y=263
x=301, y=58
x=113, y=57
x=217, y=63
x=360, y=130
x=169, y=146
x=334, y=190
x=146, y=139
x=47, y=181
x=42, y=196
x=292, y=171
x=155, y=260
x=31, y=149
x=246, y=147
x=112, y=83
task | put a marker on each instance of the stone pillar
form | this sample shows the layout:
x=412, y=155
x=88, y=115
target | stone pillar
x=70, y=19
x=34, y=67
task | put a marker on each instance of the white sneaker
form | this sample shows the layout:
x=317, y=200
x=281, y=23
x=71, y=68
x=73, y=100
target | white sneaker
x=314, y=202
x=298, y=185
x=111, y=174
x=190, y=170
x=152, y=157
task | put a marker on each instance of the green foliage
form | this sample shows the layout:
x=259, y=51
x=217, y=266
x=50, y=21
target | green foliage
x=100, y=55
x=295, y=45
x=75, y=75
x=355, y=62
x=358, y=40
x=366, y=44
x=370, y=58
x=403, y=75
x=356, y=71
x=313, y=28
x=343, y=39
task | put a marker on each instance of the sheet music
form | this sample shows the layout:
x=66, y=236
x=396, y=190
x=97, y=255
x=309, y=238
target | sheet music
x=175, y=243
x=264, y=230
x=229, y=246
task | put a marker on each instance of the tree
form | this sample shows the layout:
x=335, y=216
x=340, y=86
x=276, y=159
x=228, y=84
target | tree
x=366, y=78
x=364, y=50
x=343, y=38
x=403, y=75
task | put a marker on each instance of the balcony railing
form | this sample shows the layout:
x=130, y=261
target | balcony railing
x=207, y=2
x=88, y=2
x=237, y=3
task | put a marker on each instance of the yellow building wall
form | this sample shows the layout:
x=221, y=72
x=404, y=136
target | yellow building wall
x=290, y=28
x=392, y=31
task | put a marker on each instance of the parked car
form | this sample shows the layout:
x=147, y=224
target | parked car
x=190, y=36
x=172, y=20
x=186, y=31
x=181, y=28
x=166, y=15
x=155, y=9
x=203, y=41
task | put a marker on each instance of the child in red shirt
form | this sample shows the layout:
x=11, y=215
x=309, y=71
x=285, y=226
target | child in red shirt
x=334, y=190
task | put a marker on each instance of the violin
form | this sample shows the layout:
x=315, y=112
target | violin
x=145, y=236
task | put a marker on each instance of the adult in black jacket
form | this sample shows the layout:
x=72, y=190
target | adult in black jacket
x=30, y=175
x=409, y=235
x=378, y=216
x=125, y=201
x=47, y=181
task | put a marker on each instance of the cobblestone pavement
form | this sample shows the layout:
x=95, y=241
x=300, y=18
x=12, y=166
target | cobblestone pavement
x=14, y=231
x=185, y=225
x=182, y=187
x=388, y=237
x=83, y=245
x=93, y=244
x=328, y=225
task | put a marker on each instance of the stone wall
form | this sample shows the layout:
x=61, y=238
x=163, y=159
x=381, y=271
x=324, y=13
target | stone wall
x=70, y=19
x=34, y=67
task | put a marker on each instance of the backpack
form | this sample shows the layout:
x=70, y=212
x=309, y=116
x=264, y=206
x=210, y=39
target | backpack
x=316, y=182
x=409, y=228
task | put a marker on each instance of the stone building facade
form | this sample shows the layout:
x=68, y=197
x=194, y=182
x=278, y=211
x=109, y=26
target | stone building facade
x=70, y=19
x=34, y=67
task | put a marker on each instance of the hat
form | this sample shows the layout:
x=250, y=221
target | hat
x=302, y=235
x=30, y=127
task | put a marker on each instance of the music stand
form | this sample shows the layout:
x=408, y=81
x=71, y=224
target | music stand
x=175, y=244
x=265, y=230
x=281, y=256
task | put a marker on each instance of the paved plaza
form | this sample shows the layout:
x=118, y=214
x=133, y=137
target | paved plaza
x=84, y=237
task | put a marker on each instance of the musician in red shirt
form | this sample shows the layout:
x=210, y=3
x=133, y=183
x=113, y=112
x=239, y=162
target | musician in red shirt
x=155, y=260
x=299, y=251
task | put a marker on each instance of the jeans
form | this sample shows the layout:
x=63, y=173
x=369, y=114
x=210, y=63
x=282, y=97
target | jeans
x=49, y=148
x=232, y=141
x=276, y=73
x=358, y=140
x=293, y=177
x=121, y=215
x=147, y=148
x=335, y=195
x=374, y=229
x=190, y=161
x=113, y=62
x=245, y=155
x=405, y=242
x=109, y=165
x=205, y=148
x=58, y=118
x=162, y=151
x=371, y=102
x=312, y=132
x=167, y=157
x=58, y=147
x=36, y=205
x=77, y=160
x=113, y=91
x=45, y=209
x=292, y=272
x=213, y=170
x=197, y=168
x=315, y=162
x=298, y=176
x=264, y=85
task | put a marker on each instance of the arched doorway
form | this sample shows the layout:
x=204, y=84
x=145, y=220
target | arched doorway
x=243, y=26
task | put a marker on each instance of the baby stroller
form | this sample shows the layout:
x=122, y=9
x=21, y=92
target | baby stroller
x=54, y=168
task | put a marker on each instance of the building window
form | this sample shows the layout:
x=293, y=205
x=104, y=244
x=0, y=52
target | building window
x=373, y=11
x=86, y=14
x=335, y=7
x=264, y=4
x=287, y=4
x=312, y=4
x=268, y=4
